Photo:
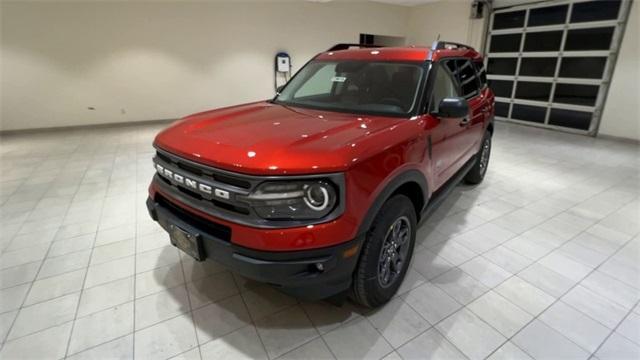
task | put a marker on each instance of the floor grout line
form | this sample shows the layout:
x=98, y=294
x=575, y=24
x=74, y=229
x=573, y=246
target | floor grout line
x=534, y=262
x=253, y=321
x=616, y=328
x=191, y=309
x=10, y=328
x=84, y=280
x=559, y=299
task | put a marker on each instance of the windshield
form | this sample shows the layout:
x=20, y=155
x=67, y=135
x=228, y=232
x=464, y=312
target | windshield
x=355, y=86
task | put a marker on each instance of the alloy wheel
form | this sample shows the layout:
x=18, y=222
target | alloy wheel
x=394, y=252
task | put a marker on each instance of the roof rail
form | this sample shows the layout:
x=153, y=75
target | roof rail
x=337, y=47
x=439, y=44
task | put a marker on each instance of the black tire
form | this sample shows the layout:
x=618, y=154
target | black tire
x=371, y=288
x=479, y=168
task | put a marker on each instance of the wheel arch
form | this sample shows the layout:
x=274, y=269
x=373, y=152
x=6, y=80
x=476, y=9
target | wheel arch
x=411, y=183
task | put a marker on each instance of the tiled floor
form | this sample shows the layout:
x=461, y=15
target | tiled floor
x=540, y=261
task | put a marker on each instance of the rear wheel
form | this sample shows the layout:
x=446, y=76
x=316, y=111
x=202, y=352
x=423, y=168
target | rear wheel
x=386, y=253
x=479, y=169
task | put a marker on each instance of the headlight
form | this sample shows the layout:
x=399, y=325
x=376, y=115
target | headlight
x=295, y=200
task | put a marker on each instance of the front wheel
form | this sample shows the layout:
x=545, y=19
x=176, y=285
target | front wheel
x=386, y=253
x=479, y=168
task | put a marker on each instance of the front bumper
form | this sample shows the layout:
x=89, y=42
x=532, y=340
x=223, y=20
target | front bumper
x=309, y=274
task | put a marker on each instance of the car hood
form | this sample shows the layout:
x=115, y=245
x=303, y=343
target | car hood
x=266, y=138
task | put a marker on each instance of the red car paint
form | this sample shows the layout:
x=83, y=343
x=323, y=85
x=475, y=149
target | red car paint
x=264, y=138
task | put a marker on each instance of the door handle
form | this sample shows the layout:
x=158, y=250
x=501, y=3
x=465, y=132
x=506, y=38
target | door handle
x=464, y=122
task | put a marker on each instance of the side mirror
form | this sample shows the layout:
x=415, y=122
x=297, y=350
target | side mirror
x=453, y=107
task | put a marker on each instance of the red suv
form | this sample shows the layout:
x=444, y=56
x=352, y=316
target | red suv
x=319, y=191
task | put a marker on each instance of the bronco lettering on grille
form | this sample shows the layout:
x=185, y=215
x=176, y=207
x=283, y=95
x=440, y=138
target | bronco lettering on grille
x=191, y=183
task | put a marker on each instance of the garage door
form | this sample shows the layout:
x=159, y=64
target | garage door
x=550, y=63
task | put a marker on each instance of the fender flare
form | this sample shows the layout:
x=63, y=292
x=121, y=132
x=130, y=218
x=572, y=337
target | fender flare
x=408, y=176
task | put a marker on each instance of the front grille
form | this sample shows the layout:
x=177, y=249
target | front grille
x=219, y=231
x=213, y=174
x=234, y=184
x=230, y=207
x=163, y=157
x=232, y=181
x=192, y=169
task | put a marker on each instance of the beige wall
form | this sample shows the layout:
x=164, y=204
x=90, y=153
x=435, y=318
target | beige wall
x=621, y=116
x=144, y=61
x=449, y=19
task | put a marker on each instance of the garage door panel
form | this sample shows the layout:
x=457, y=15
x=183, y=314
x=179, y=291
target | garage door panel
x=543, y=41
x=536, y=66
x=595, y=11
x=536, y=91
x=583, y=67
x=570, y=118
x=505, y=43
x=548, y=15
x=589, y=39
x=576, y=94
x=530, y=113
x=549, y=63
x=509, y=20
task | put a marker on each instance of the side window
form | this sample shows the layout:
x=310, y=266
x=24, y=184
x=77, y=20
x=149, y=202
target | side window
x=467, y=78
x=482, y=73
x=451, y=65
x=443, y=87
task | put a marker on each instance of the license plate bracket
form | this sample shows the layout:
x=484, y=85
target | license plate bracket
x=190, y=243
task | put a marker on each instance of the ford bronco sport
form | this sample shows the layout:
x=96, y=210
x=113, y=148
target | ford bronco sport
x=319, y=191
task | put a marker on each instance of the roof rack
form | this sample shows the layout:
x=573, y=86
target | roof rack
x=439, y=44
x=338, y=47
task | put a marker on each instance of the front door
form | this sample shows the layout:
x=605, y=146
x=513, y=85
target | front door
x=449, y=135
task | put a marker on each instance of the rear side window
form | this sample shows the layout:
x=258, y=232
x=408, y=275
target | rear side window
x=443, y=87
x=482, y=73
x=467, y=77
x=464, y=72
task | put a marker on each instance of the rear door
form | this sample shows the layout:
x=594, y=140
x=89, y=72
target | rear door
x=485, y=93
